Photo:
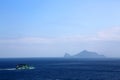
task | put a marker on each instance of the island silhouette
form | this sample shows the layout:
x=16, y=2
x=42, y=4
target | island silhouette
x=85, y=54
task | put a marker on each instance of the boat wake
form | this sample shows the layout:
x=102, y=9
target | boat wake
x=12, y=69
x=9, y=69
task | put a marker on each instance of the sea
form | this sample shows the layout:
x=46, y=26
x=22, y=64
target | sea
x=60, y=69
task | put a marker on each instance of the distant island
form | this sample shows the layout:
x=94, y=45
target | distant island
x=85, y=54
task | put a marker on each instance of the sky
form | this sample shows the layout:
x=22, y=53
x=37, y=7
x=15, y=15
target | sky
x=50, y=28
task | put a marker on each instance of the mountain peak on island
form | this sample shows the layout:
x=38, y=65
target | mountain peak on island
x=67, y=55
x=86, y=54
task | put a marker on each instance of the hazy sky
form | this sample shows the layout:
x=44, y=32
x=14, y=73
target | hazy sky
x=49, y=28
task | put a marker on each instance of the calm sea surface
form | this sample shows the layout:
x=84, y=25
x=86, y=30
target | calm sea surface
x=61, y=69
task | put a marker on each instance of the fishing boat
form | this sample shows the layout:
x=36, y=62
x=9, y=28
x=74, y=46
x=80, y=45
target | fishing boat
x=23, y=67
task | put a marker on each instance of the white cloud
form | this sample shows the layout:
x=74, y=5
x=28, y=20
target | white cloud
x=26, y=40
x=105, y=35
x=40, y=40
x=109, y=34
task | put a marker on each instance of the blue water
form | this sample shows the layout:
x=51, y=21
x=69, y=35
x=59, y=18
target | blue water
x=61, y=69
